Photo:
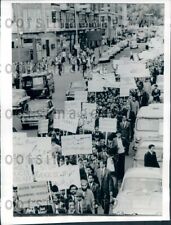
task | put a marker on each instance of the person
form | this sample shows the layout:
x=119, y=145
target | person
x=73, y=63
x=71, y=208
x=59, y=63
x=125, y=133
x=150, y=159
x=84, y=65
x=96, y=190
x=81, y=206
x=143, y=96
x=71, y=196
x=156, y=93
x=78, y=63
x=120, y=165
x=106, y=186
x=88, y=195
x=131, y=56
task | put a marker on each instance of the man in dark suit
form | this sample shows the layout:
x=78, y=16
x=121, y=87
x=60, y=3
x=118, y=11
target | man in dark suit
x=96, y=191
x=125, y=133
x=106, y=186
x=150, y=159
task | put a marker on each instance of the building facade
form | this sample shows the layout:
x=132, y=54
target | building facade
x=45, y=29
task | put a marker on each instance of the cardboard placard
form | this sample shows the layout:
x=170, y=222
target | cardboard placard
x=33, y=194
x=63, y=176
x=72, y=109
x=69, y=125
x=76, y=144
x=81, y=96
x=95, y=86
x=88, y=116
x=43, y=126
x=107, y=124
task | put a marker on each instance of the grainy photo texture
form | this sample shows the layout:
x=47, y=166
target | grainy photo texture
x=88, y=94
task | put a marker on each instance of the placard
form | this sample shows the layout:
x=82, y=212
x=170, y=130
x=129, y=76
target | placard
x=76, y=144
x=19, y=138
x=63, y=176
x=95, y=86
x=69, y=125
x=81, y=96
x=124, y=91
x=108, y=124
x=43, y=126
x=33, y=194
x=21, y=167
x=72, y=109
x=89, y=116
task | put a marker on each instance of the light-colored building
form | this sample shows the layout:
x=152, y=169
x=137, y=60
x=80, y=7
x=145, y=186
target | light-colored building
x=45, y=29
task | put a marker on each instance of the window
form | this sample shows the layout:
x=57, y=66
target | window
x=102, y=18
x=37, y=81
x=53, y=16
x=28, y=41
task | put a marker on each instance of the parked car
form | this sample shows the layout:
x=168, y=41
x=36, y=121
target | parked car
x=140, y=193
x=75, y=86
x=142, y=36
x=143, y=148
x=37, y=109
x=133, y=44
x=149, y=122
x=38, y=85
x=19, y=100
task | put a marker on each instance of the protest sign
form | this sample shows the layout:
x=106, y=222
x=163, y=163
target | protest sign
x=33, y=194
x=89, y=115
x=63, y=176
x=43, y=126
x=19, y=138
x=66, y=124
x=95, y=86
x=72, y=109
x=124, y=90
x=21, y=167
x=81, y=96
x=107, y=124
x=76, y=144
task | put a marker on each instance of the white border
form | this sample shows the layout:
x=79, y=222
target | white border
x=6, y=124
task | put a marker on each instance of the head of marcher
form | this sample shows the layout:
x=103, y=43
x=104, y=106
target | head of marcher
x=84, y=185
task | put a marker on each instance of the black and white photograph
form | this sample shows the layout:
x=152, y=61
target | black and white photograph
x=88, y=104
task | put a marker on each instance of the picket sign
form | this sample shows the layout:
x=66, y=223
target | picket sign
x=72, y=109
x=76, y=144
x=95, y=86
x=33, y=194
x=88, y=115
x=43, y=126
x=81, y=96
x=63, y=176
x=19, y=138
x=66, y=124
x=107, y=124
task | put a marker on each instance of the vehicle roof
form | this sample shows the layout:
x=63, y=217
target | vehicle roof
x=38, y=104
x=146, y=143
x=152, y=111
x=144, y=172
x=36, y=74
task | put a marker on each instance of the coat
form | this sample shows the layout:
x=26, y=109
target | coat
x=106, y=183
x=150, y=160
x=125, y=130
